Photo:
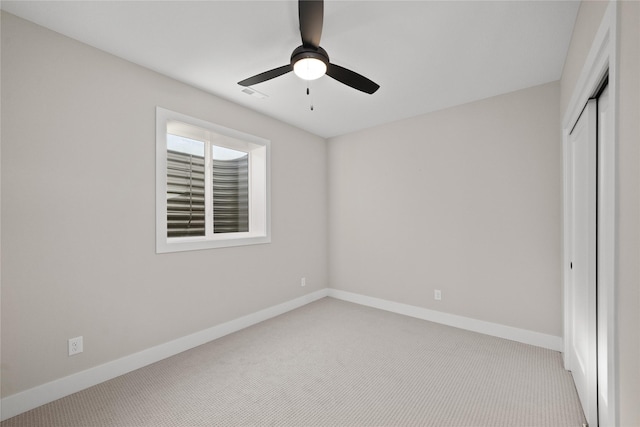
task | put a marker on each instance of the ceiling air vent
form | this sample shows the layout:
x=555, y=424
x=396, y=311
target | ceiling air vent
x=254, y=93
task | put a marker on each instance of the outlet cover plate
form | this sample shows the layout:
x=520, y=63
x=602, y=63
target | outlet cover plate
x=75, y=346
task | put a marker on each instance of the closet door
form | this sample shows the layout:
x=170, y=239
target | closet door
x=582, y=351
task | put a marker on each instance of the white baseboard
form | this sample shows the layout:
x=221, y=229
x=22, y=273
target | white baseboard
x=29, y=399
x=494, y=329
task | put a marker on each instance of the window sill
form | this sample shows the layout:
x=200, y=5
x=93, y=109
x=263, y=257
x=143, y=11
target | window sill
x=180, y=244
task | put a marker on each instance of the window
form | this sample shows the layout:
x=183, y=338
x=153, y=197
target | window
x=212, y=185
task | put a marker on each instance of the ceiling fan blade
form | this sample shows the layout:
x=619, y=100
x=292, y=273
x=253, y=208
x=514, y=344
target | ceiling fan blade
x=311, y=14
x=352, y=79
x=267, y=75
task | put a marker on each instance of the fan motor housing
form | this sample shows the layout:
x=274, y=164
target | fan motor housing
x=302, y=52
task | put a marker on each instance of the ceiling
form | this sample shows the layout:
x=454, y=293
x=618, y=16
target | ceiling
x=425, y=55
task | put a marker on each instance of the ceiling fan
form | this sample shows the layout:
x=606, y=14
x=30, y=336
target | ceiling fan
x=309, y=61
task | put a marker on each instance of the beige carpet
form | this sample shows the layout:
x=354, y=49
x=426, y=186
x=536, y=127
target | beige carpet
x=333, y=363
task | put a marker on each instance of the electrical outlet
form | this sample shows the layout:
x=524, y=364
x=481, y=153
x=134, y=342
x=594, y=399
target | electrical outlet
x=303, y=281
x=75, y=346
x=437, y=294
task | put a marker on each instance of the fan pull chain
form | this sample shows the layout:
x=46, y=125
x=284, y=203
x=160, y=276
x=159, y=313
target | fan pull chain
x=308, y=93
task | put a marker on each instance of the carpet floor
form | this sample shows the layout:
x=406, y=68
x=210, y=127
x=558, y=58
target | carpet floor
x=333, y=363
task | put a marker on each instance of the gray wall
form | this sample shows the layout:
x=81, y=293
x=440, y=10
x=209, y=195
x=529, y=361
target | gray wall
x=628, y=185
x=628, y=269
x=465, y=200
x=78, y=212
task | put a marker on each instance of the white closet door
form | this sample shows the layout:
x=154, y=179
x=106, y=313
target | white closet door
x=582, y=349
x=605, y=365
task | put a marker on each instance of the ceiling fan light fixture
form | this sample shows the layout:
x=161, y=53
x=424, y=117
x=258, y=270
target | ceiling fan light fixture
x=309, y=61
x=310, y=68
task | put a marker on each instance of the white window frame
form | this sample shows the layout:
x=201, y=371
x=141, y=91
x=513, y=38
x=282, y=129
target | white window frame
x=259, y=186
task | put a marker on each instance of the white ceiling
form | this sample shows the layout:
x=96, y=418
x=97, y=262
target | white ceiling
x=425, y=55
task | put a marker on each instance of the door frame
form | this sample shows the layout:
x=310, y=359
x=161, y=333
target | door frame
x=600, y=63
